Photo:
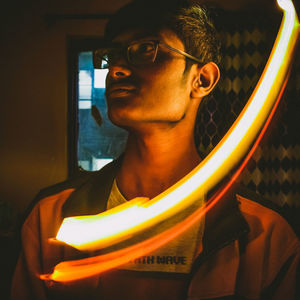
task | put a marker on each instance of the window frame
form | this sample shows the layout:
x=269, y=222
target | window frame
x=75, y=45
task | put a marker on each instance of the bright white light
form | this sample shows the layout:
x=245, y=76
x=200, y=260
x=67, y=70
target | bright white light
x=85, y=104
x=85, y=77
x=99, y=78
x=85, y=84
x=285, y=4
x=99, y=163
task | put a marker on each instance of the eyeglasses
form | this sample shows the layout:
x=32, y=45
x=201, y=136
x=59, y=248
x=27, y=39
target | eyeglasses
x=137, y=54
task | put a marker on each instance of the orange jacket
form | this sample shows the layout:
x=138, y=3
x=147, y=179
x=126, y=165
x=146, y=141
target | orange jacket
x=249, y=251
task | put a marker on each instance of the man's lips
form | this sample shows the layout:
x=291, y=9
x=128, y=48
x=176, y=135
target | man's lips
x=120, y=89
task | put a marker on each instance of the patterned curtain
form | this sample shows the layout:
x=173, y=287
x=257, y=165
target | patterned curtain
x=274, y=170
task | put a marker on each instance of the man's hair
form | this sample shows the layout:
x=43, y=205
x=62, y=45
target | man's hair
x=190, y=22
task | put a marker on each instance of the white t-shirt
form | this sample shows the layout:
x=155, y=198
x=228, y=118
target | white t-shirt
x=178, y=255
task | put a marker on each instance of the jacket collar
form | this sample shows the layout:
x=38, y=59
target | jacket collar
x=224, y=224
x=91, y=197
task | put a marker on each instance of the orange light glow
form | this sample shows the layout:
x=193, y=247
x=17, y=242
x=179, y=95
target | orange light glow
x=134, y=217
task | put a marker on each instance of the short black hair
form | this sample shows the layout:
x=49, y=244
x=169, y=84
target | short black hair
x=190, y=22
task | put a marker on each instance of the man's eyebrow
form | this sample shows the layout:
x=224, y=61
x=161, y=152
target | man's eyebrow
x=146, y=37
x=138, y=36
x=116, y=44
x=146, y=34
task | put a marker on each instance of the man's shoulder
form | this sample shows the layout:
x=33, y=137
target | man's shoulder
x=50, y=193
x=264, y=217
x=271, y=249
x=267, y=211
x=81, y=185
x=73, y=182
x=53, y=196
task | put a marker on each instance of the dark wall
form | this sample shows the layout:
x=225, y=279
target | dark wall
x=34, y=92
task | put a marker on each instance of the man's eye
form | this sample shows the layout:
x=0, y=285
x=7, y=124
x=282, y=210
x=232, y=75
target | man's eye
x=143, y=48
x=141, y=53
x=146, y=47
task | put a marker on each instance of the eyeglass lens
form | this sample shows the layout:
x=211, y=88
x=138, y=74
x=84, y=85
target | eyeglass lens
x=137, y=54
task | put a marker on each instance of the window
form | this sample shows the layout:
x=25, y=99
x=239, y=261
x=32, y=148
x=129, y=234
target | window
x=95, y=139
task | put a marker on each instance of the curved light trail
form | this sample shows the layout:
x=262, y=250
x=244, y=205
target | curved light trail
x=133, y=218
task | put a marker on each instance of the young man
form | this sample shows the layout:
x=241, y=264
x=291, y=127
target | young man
x=162, y=62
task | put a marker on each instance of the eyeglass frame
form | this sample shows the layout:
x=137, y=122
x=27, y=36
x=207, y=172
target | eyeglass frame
x=156, y=44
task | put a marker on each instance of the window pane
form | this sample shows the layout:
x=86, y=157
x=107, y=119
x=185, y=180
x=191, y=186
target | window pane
x=85, y=84
x=100, y=76
x=99, y=141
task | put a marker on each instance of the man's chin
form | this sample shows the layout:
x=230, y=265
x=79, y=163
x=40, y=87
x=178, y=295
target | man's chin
x=125, y=121
x=117, y=118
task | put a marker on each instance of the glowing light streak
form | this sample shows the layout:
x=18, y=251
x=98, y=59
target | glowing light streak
x=139, y=214
x=79, y=269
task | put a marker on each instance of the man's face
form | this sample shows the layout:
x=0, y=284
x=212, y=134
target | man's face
x=156, y=93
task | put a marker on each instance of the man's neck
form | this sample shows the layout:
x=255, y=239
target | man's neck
x=155, y=161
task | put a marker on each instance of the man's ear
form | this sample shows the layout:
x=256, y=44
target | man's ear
x=205, y=81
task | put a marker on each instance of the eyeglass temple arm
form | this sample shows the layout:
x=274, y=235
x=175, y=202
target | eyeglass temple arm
x=181, y=52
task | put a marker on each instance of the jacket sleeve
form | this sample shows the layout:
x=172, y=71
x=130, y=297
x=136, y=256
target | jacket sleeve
x=26, y=283
x=38, y=256
x=284, y=284
x=269, y=260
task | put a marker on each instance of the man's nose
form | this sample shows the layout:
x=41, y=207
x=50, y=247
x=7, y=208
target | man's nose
x=119, y=70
